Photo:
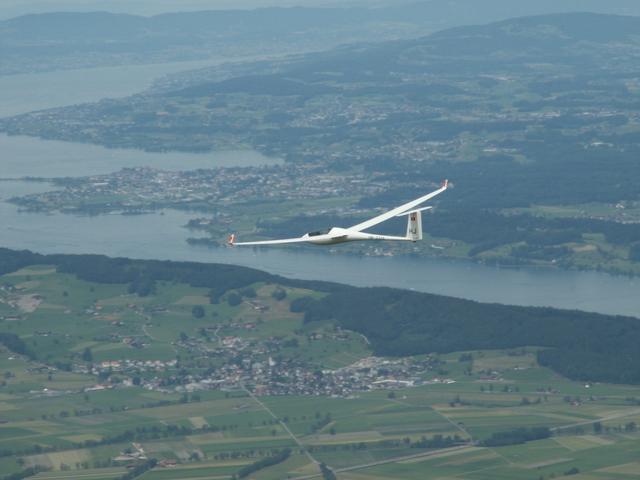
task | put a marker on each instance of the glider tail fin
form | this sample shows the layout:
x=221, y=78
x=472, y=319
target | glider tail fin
x=414, y=226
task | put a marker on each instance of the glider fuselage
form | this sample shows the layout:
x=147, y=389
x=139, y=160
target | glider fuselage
x=342, y=235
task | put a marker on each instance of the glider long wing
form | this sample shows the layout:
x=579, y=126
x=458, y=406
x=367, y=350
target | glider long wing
x=270, y=242
x=398, y=210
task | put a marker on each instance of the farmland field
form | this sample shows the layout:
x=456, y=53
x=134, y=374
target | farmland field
x=110, y=379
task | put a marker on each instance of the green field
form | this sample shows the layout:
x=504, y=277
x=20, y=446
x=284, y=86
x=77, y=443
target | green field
x=59, y=421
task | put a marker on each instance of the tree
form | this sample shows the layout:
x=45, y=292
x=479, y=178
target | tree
x=465, y=357
x=233, y=299
x=278, y=457
x=248, y=292
x=279, y=294
x=327, y=473
x=142, y=286
x=87, y=355
x=597, y=428
x=197, y=311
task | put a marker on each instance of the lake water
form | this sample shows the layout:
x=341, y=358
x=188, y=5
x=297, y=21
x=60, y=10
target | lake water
x=38, y=91
x=162, y=236
x=28, y=156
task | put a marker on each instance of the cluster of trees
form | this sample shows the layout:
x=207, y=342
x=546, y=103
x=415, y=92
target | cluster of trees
x=597, y=360
x=275, y=459
x=320, y=423
x=139, y=470
x=14, y=343
x=327, y=473
x=234, y=299
x=140, y=275
x=516, y=436
x=437, y=441
x=26, y=473
x=280, y=293
x=142, y=286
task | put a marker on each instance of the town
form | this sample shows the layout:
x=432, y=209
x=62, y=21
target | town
x=224, y=355
x=247, y=363
x=143, y=189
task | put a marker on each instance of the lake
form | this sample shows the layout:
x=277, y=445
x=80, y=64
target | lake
x=27, y=92
x=29, y=156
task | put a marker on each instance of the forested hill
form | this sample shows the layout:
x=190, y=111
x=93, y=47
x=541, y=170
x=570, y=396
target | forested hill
x=580, y=43
x=61, y=40
x=584, y=346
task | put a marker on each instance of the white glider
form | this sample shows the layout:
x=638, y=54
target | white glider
x=356, y=233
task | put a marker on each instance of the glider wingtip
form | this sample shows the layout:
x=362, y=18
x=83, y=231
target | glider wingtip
x=231, y=240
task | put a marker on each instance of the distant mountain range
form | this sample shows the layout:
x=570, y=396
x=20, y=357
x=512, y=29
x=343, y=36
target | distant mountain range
x=550, y=53
x=53, y=41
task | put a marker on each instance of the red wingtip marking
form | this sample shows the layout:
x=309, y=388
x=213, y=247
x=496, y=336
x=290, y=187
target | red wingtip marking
x=232, y=239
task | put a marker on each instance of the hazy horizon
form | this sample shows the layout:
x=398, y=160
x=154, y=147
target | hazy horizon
x=506, y=9
x=14, y=8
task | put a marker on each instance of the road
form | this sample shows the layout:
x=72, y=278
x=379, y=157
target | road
x=284, y=425
x=391, y=460
x=615, y=416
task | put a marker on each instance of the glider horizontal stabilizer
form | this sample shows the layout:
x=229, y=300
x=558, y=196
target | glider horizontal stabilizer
x=413, y=211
